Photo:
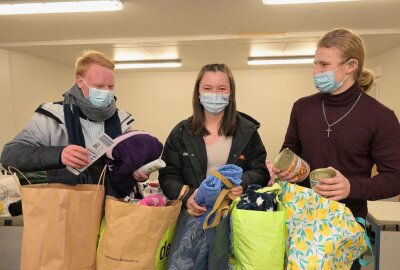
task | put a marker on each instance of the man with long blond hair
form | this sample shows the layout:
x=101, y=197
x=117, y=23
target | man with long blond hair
x=344, y=128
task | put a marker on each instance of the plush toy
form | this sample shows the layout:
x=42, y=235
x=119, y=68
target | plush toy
x=129, y=152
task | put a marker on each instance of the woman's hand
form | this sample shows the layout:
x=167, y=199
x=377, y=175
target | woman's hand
x=271, y=172
x=236, y=191
x=336, y=188
x=191, y=204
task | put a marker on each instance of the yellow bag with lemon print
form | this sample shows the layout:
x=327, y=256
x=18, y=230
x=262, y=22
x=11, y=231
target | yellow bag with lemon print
x=321, y=233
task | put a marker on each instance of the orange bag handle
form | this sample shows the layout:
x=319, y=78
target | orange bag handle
x=221, y=205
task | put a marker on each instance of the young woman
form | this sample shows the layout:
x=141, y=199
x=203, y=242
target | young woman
x=216, y=134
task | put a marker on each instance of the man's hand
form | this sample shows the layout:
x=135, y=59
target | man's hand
x=336, y=188
x=140, y=176
x=75, y=156
x=284, y=176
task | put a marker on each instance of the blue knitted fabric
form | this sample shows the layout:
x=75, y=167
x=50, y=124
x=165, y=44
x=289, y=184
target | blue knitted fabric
x=211, y=187
x=208, y=191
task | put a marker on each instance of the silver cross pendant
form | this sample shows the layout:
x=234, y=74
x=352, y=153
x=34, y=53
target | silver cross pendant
x=329, y=130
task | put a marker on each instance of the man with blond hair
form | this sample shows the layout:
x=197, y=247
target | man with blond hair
x=59, y=132
x=342, y=127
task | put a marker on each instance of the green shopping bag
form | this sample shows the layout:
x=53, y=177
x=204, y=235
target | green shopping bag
x=258, y=237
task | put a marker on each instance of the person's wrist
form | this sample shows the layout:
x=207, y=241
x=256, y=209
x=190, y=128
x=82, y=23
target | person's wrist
x=60, y=157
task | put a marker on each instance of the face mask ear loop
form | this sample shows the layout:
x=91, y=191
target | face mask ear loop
x=342, y=65
x=85, y=82
x=345, y=78
x=347, y=75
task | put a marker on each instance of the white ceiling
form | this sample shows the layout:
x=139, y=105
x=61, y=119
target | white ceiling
x=199, y=31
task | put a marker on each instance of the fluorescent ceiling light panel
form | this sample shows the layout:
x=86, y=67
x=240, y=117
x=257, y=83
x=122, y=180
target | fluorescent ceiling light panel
x=148, y=64
x=281, y=60
x=61, y=7
x=284, y=2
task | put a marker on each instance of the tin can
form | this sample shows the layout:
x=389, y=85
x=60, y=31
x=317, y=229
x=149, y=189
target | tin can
x=288, y=161
x=318, y=174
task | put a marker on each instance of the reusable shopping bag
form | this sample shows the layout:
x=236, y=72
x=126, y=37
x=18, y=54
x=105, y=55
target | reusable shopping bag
x=195, y=248
x=321, y=233
x=258, y=237
x=136, y=236
x=10, y=192
x=61, y=224
x=203, y=246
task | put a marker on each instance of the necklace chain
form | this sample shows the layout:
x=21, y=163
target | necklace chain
x=341, y=118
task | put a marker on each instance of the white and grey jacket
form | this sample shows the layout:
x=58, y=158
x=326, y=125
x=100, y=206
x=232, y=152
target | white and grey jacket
x=39, y=145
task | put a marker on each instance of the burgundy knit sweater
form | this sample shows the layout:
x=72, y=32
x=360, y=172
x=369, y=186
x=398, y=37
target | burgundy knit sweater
x=368, y=135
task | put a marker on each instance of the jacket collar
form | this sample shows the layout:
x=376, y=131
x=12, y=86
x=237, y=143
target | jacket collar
x=245, y=128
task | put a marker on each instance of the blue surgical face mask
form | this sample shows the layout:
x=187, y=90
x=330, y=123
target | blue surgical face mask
x=214, y=103
x=325, y=81
x=99, y=97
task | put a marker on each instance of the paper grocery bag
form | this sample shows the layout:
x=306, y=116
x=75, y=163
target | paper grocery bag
x=61, y=224
x=137, y=236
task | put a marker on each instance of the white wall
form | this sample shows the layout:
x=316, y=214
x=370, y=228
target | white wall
x=26, y=82
x=6, y=106
x=388, y=64
x=34, y=81
x=159, y=100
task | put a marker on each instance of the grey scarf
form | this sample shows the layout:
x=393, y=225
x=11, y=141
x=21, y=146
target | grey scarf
x=74, y=96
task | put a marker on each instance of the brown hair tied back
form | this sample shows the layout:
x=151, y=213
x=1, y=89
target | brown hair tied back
x=351, y=47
